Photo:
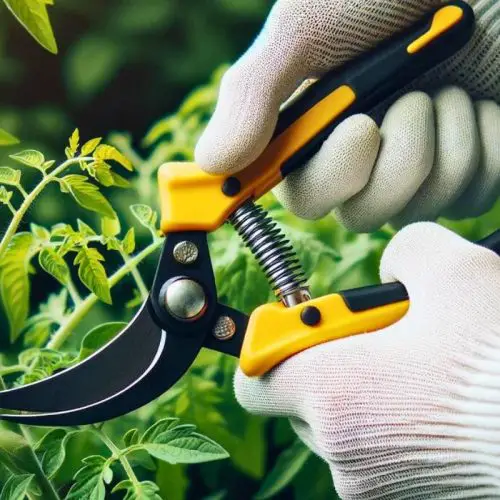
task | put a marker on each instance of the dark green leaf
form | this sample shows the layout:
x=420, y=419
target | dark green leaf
x=286, y=468
x=53, y=264
x=89, y=480
x=99, y=337
x=51, y=450
x=16, y=487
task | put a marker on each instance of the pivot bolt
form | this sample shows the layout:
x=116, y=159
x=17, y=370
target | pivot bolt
x=231, y=186
x=224, y=328
x=183, y=298
x=310, y=316
x=185, y=252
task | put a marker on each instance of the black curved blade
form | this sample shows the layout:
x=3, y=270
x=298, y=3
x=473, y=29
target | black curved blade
x=174, y=356
x=108, y=371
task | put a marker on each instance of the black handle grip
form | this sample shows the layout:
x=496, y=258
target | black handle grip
x=377, y=75
x=370, y=297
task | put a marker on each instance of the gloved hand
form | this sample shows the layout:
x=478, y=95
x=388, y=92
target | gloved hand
x=411, y=411
x=435, y=153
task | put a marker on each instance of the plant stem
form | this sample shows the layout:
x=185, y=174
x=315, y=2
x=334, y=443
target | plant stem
x=11, y=208
x=30, y=198
x=136, y=275
x=119, y=455
x=48, y=490
x=86, y=304
x=73, y=292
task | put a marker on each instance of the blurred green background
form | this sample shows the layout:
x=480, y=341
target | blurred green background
x=144, y=74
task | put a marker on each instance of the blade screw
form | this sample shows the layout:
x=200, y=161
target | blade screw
x=231, y=186
x=310, y=316
x=224, y=328
x=185, y=252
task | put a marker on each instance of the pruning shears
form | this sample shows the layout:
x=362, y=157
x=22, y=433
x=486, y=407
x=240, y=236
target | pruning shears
x=183, y=314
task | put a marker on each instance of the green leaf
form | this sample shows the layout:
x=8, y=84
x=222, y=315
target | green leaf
x=9, y=176
x=89, y=146
x=180, y=444
x=37, y=333
x=32, y=14
x=5, y=196
x=145, y=215
x=40, y=232
x=119, y=181
x=145, y=490
x=98, y=337
x=131, y=437
x=288, y=465
x=85, y=230
x=128, y=242
x=30, y=158
x=110, y=227
x=158, y=428
x=14, y=282
x=88, y=195
x=89, y=480
x=51, y=450
x=92, y=273
x=74, y=142
x=16, y=487
x=52, y=263
x=106, y=152
x=7, y=139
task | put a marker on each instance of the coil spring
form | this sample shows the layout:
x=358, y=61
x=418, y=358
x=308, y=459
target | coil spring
x=271, y=248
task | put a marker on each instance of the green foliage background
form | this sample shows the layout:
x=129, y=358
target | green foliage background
x=122, y=70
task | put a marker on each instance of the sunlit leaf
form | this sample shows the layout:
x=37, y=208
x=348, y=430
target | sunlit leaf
x=106, y=152
x=32, y=14
x=88, y=195
x=128, y=242
x=145, y=215
x=5, y=195
x=110, y=227
x=98, y=337
x=40, y=232
x=53, y=264
x=16, y=487
x=14, y=282
x=85, y=229
x=7, y=139
x=9, y=176
x=30, y=158
x=92, y=273
x=74, y=142
x=89, y=146
x=286, y=468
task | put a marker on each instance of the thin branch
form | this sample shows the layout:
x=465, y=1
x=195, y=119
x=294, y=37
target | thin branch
x=136, y=275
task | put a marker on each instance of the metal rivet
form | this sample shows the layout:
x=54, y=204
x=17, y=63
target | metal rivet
x=310, y=316
x=184, y=298
x=185, y=252
x=231, y=186
x=224, y=328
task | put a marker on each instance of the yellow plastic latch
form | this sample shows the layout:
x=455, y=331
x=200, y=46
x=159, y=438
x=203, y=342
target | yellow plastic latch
x=192, y=200
x=443, y=20
x=275, y=332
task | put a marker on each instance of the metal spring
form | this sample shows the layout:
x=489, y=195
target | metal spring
x=273, y=252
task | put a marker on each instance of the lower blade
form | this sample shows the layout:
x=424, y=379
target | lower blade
x=108, y=371
x=174, y=356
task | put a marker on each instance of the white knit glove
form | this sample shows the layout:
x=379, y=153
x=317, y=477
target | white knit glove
x=411, y=411
x=432, y=155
